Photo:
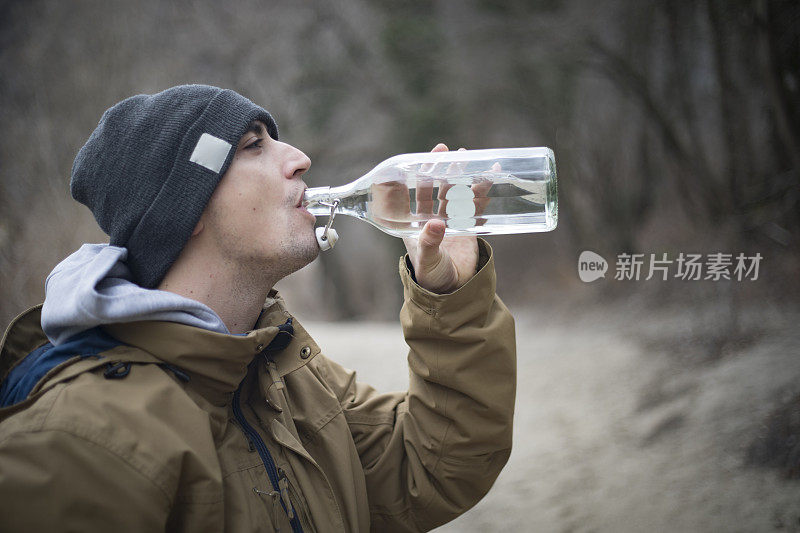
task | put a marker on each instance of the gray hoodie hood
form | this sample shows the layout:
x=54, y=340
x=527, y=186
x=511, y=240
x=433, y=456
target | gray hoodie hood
x=93, y=286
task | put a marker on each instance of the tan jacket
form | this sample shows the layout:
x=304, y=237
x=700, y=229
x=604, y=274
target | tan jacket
x=148, y=451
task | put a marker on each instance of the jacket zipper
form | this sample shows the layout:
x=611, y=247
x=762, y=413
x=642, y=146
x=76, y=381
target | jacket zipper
x=299, y=507
x=278, y=484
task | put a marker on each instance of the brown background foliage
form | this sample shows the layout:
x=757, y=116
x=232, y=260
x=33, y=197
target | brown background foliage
x=676, y=124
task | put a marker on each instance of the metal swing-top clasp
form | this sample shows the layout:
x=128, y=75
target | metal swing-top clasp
x=327, y=236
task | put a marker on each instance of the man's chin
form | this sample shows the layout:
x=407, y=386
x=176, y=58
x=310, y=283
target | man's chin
x=313, y=253
x=310, y=251
x=302, y=251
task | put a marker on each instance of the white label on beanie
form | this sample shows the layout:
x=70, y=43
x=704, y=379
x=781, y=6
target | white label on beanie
x=210, y=152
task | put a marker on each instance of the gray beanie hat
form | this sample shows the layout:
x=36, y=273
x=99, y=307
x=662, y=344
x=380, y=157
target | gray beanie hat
x=151, y=165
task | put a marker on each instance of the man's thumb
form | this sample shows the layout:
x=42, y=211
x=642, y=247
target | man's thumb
x=429, y=240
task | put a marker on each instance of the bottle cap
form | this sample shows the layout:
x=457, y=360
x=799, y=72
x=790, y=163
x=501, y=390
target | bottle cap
x=326, y=241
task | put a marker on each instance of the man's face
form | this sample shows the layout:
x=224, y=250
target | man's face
x=255, y=216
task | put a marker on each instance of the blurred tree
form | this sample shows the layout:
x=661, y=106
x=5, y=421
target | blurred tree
x=721, y=158
x=673, y=123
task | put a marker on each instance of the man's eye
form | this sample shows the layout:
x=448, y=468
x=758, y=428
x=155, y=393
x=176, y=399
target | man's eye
x=256, y=144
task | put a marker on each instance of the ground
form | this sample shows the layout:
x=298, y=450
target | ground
x=626, y=423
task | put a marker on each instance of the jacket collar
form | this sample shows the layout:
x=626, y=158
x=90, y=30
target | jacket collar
x=213, y=360
x=217, y=362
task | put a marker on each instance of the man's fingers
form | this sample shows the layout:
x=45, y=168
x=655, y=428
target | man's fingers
x=435, y=268
x=391, y=201
x=427, y=167
x=481, y=191
x=425, y=196
x=442, y=197
x=424, y=193
x=431, y=236
x=453, y=169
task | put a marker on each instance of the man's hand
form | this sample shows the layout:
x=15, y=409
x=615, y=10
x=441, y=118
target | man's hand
x=442, y=264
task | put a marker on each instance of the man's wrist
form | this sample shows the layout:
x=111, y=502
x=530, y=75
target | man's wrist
x=484, y=258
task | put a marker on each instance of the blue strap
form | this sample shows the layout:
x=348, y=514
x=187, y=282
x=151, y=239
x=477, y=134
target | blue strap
x=24, y=377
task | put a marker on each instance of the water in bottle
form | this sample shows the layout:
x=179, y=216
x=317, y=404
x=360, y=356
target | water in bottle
x=475, y=192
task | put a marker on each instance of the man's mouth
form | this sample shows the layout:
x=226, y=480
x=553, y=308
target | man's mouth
x=300, y=200
x=301, y=204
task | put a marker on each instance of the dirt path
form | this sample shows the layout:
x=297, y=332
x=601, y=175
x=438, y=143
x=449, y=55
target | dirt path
x=615, y=432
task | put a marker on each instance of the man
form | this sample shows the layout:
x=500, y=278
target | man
x=155, y=390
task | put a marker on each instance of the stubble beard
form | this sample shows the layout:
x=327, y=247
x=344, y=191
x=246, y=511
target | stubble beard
x=291, y=255
x=298, y=253
x=297, y=248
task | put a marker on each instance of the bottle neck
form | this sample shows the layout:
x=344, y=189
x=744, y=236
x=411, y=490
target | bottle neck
x=315, y=199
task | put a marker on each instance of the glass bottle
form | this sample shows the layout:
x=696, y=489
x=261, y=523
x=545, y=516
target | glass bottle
x=476, y=192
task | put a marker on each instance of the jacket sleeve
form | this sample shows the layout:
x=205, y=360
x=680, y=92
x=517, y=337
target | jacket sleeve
x=51, y=480
x=431, y=453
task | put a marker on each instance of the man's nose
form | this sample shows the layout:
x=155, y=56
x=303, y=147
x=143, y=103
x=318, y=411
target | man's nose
x=298, y=163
